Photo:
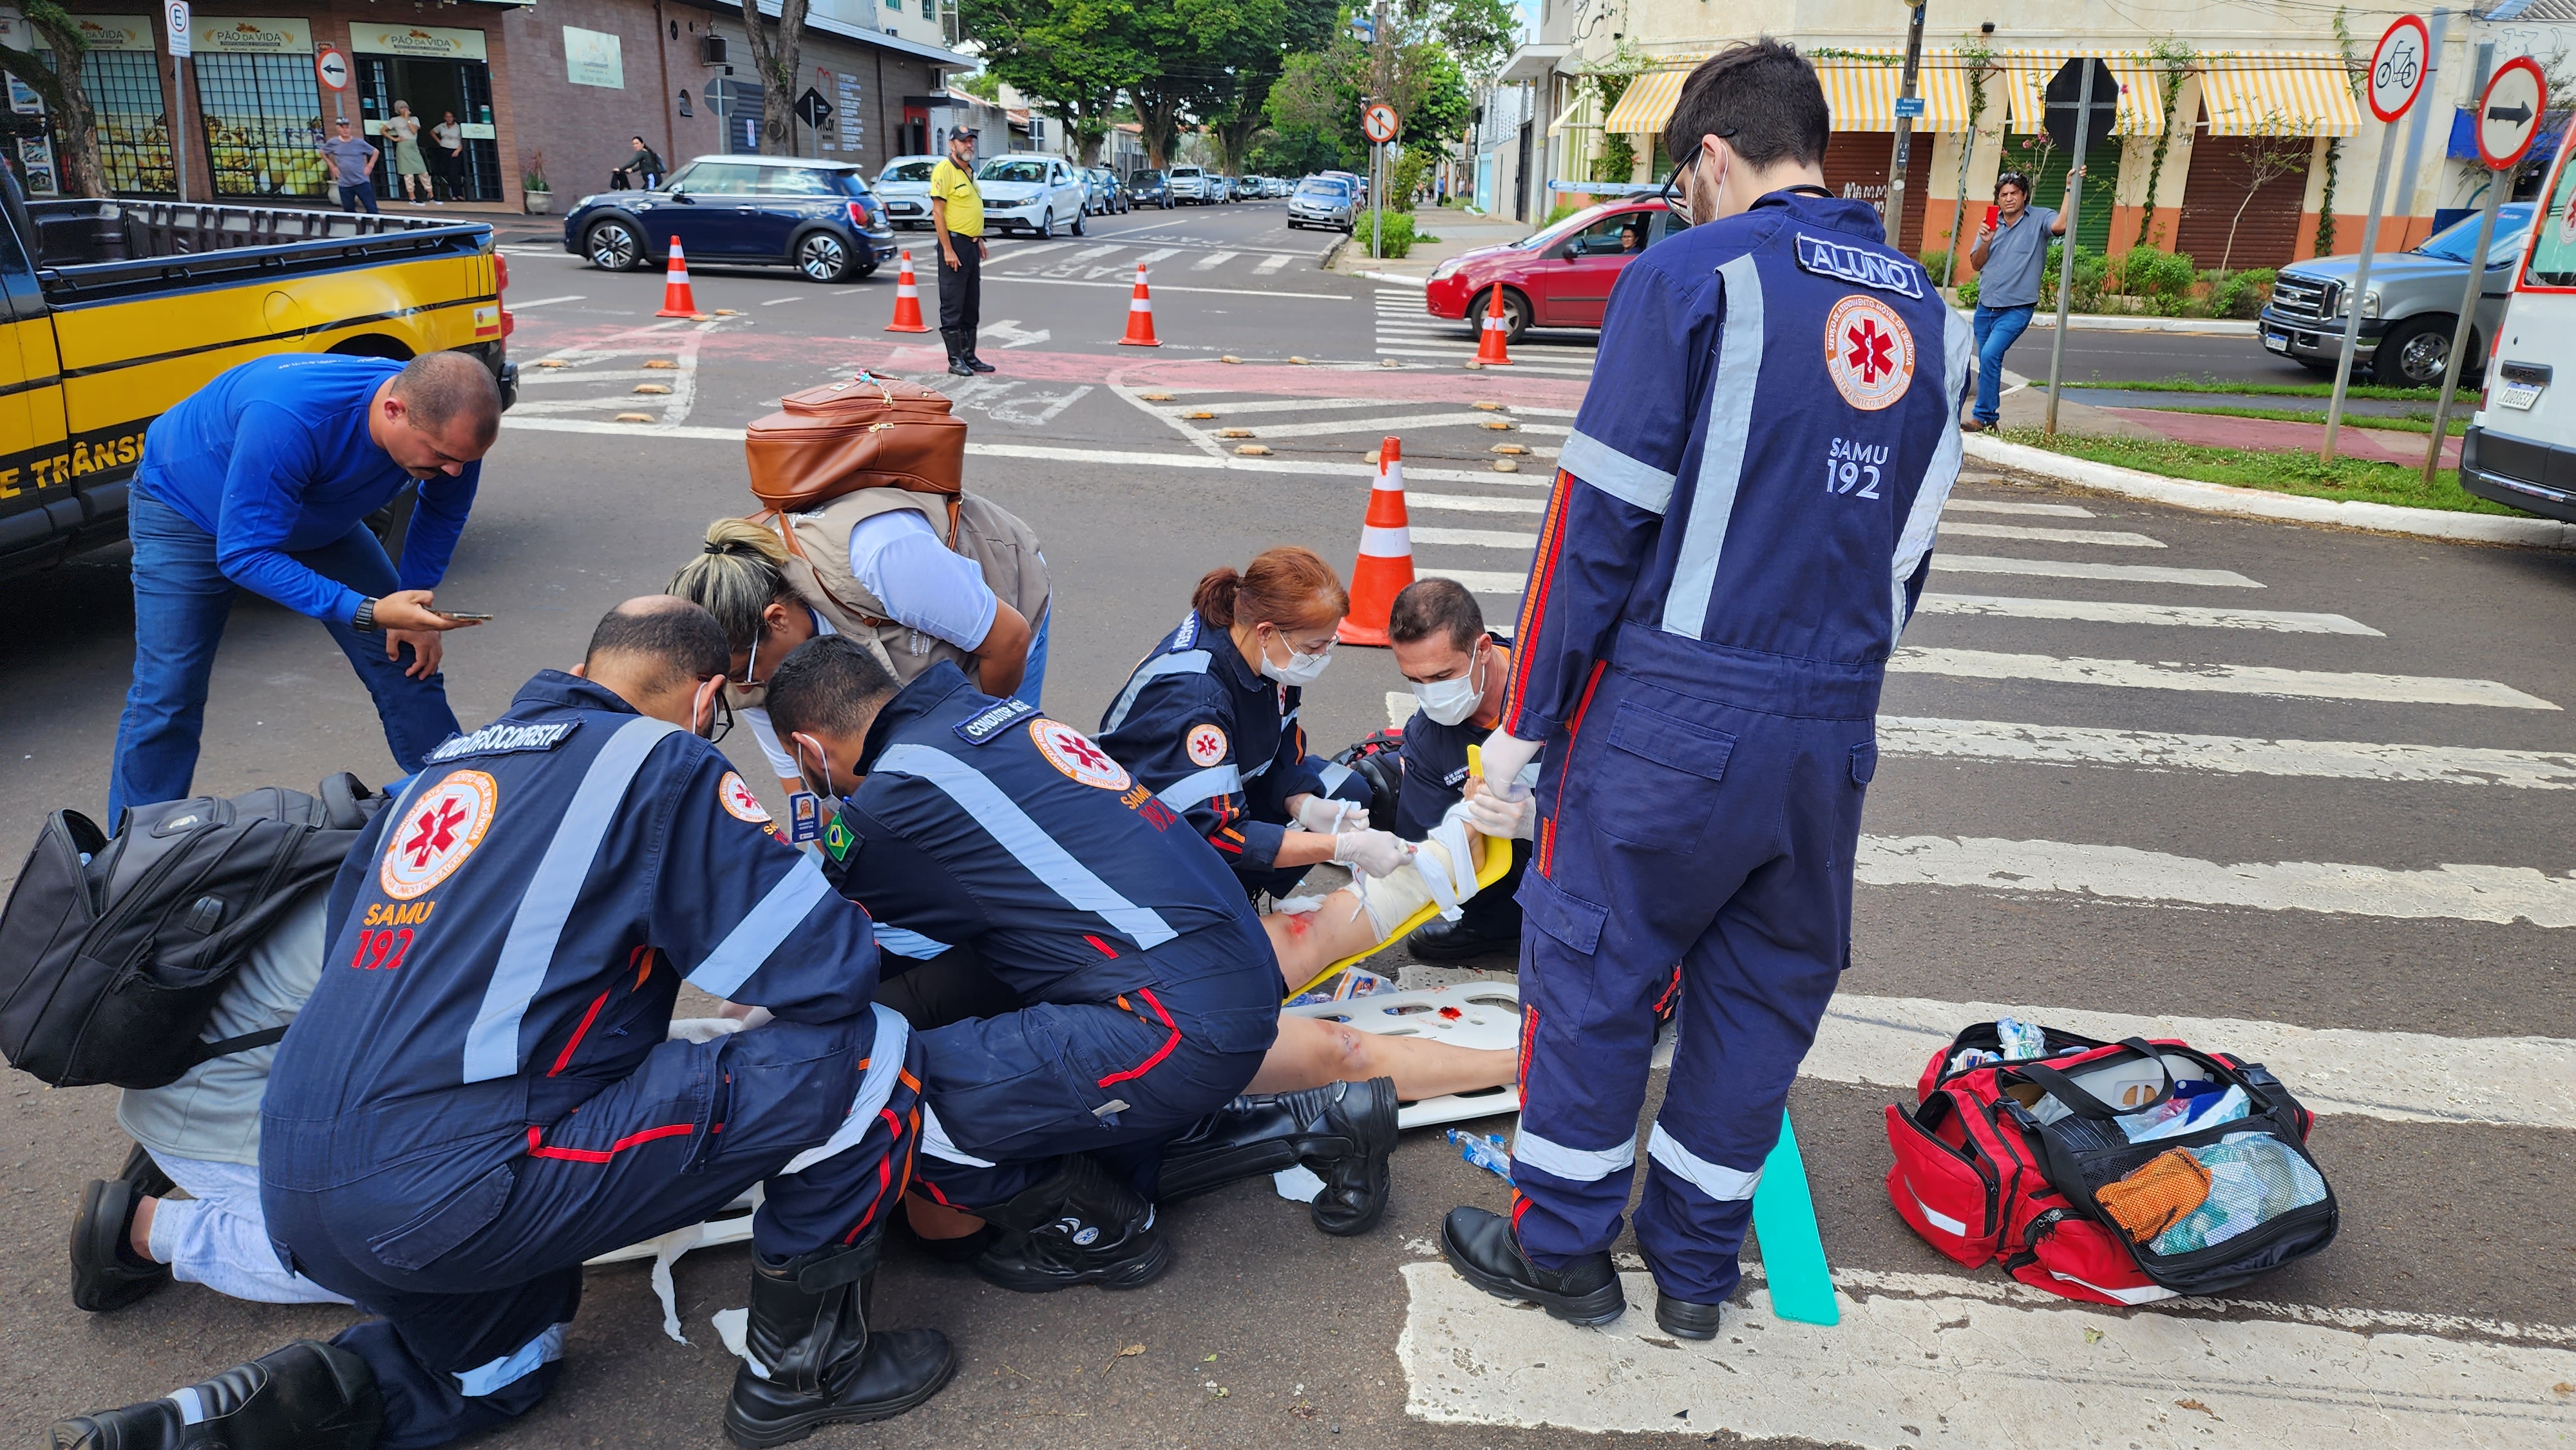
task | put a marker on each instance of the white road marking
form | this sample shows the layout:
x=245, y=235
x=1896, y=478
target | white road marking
x=1088, y=253
x=534, y=377
x=2108, y=537
x=781, y=301
x=1009, y=333
x=1475, y=503
x=2219, y=679
x=1150, y=258
x=1212, y=261
x=1392, y=425
x=2225, y=754
x=1272, y=263
x=2404, y=1077
x=2098, y=611
x=1999, y=506
x=1279, y=405
x=2448, y=892
x=1159, y=287
x=2068, y=569
x=1475, y=538
x=1013, y=254
x=546, y=302
x=1982, y=1366
x=1480, y=581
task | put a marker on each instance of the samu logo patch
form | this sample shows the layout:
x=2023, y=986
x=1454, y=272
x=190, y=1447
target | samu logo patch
x=1868, y=352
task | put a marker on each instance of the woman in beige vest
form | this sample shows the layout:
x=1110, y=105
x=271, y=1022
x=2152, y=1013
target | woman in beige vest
x=914, y=577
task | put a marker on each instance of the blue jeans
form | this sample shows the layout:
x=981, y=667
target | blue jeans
x=357, y=193
x=1998, y=328
x=180, y=602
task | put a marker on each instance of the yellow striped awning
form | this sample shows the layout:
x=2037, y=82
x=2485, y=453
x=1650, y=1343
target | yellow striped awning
x=1860, y=89
x=2281, y=93
x=2142, y=102
x=1648, y=102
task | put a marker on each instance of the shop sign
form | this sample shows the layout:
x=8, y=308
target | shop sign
x=422, y=42
x=591, y=58
x=251, y=35
x=116, y=32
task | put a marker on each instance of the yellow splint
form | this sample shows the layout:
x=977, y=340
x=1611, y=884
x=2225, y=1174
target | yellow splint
x=1491, y=866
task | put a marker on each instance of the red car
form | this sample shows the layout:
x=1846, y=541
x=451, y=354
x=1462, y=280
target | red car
x=1559, y=276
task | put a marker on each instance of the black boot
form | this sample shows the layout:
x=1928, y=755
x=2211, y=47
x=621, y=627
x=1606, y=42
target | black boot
x=1682, y=1318
x=1081, y=1226
x=307, y=1396
x=1456, y=941
x=1480, y=1246
x=817, y=1363
x=956, y=355
x=975, y=363
x=1342, y=1131
x=105, y=1273
x=145, y=1176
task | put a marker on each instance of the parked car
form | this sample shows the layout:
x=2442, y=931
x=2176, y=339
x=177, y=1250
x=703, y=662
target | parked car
x=1097, y=193
x=1220, y=187
x=1027, y=192
x=2410, y=311
x=1558, y=277
x=1189, y=186
x=1322, y=201
x=1277, y=187
x=1148, y=187
x=816, y=216
x=903, y=184
x=2520, y=449
x=1113, y=197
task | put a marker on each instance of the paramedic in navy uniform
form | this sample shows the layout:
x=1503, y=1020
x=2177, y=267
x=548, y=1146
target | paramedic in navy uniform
x=1741, y=522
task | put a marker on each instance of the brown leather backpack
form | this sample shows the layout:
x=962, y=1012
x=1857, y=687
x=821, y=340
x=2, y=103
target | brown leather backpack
x=867, y=432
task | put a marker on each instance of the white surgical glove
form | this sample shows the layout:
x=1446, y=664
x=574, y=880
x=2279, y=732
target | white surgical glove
x=1326, y=816
x=1495, y=815
x=1504, y=754
x=1370, y=853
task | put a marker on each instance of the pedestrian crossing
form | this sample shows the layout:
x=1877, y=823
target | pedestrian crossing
x=1074, y=260
x=1407, y=333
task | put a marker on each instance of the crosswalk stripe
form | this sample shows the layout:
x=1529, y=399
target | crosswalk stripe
x=1976, y=664
x=1475, y=503
x=1087, y=253
x=1479, y=581
x=2068, y=569
x=1279, y=405
x=1212, y=261
x=2014, y=740
x=1475, y=538
x=2003, y=506
x=1015, y=253
x=2095, y=611
x=1919, y=1350
x=1150, y=258
x=1272, y=263
x=1391, y=425
x=2449, y=892
x=2109, y=538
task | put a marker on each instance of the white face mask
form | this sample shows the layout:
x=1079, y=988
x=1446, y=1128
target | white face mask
x=1453, y=700
x=1301, y=669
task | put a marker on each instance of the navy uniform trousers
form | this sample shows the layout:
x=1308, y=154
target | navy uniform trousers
x=1695, y=812
x=463, y=1220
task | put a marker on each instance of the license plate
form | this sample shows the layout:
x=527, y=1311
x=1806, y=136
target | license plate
x=2277, y=341
x=2519, y=396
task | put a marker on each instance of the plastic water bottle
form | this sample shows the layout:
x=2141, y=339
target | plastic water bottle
x=1490, y=1152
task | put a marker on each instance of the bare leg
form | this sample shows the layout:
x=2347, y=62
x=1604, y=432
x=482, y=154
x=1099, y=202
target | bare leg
x=937, y=1220
x=1311, y=1052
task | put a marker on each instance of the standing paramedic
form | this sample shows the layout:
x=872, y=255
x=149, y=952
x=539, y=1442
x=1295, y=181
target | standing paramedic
x=2009, y=256
x=1741, y=522
x=262, y=480
x=957, y=220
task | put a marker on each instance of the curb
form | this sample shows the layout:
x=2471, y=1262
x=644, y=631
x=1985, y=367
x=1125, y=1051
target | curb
x=2254, y=503
x=2195, y=326
x=1332, y=254
x=1396, y=277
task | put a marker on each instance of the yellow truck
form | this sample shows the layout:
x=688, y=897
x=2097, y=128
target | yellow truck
x=117, y=310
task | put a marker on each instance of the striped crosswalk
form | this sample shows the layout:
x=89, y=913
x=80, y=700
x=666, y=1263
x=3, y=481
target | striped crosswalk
x=1409, y=334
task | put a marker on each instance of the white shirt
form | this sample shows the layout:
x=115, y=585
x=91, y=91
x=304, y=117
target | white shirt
x=921, y=581
x=781, y=764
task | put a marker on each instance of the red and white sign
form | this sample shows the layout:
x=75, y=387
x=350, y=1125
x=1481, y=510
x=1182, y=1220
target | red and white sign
x=2398, y=67
x=1868, y=352
x=434, y=837
x=2509, y=113
x=332, y=68
x=1378, y=122
x=1206, y=744
x=1072, y=752
x=739, y=802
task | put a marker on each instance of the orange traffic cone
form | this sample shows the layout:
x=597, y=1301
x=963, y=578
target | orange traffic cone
x=1140, y=316
x=677, y=299
x=907, y=299
x=1489, y=347
x=1385, y=563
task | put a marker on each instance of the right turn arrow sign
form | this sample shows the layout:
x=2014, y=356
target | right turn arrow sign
x=2509, y=113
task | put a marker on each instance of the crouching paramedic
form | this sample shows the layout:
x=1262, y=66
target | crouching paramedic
x=476, y=1100
x=1151, y=993
x=1457, y=668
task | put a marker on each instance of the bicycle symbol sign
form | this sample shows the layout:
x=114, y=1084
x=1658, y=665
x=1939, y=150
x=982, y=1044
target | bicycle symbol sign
x=2397, y=68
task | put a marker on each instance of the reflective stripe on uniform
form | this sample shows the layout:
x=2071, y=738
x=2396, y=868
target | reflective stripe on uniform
x=528, y=952
x=1615, y=473
x=1721, y=459
x=885, y=1061
x=509, y=1369
x=753, y=938
x=1333, y=773
x=905, y=943
x=1574, y=1165
x=1038, y=853
x=1201, y=786
x=1187, y=662
x=1958, y=346
x=1726, y=1185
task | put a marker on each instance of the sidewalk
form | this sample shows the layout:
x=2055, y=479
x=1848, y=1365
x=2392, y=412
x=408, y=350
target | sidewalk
x=1458, y=232
x=2384, y=445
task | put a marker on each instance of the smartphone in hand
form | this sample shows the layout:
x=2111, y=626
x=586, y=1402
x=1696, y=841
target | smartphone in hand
x=460, y=616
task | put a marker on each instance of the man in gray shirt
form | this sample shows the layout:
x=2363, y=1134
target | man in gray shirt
x=2009, y=254
x=353, y=166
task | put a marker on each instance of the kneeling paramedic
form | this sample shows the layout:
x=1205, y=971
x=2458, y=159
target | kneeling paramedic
x=479, y=1094
x=1152, y=992
x=1741, y=522
x=1456, y=668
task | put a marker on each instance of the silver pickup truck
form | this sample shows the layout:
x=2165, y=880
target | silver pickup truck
x=2410, y=310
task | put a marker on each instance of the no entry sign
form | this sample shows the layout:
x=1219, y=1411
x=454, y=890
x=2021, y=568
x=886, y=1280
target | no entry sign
x=1378, y=121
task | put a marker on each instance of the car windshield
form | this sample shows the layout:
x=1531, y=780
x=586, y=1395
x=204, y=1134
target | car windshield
x=1147, y=178
x=2454, y=242
x=1008, y=170
x=906, y=171
x=1580, y=221
x=1185, y=171
x=1318, y=186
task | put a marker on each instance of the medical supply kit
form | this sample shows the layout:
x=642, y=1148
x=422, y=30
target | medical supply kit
x=864, y=432
x=2117, y=1173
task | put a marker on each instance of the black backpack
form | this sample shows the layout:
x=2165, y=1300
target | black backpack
x=113, y=952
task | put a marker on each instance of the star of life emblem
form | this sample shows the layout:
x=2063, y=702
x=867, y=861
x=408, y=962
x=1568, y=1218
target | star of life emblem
x=1869, y=352
x=440, y=829
x=1073, y=753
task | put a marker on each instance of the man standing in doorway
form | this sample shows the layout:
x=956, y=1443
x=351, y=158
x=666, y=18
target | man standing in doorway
x=957, y=219
x=353, y=167
x=2009, y=255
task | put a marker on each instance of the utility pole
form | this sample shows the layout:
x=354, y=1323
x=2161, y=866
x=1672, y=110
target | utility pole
x=2066, y=253
x=1909, y=105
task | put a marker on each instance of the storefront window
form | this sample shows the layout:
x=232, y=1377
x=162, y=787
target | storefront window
x=133, y=134
x=263, y=118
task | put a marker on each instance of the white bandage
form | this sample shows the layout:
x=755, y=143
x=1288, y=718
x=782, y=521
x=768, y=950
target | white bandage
x=1441, y=873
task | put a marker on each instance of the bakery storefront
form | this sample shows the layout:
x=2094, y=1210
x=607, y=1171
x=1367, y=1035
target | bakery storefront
x=261, y=106
x=441, y=72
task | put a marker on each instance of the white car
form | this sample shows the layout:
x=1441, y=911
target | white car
x=904, y=187
x=1027, y=192
x=1190, y=185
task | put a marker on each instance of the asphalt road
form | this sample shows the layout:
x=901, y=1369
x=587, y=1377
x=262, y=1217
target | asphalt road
x=2308, y=790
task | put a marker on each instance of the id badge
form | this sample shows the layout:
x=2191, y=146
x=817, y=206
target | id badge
x=804, y=818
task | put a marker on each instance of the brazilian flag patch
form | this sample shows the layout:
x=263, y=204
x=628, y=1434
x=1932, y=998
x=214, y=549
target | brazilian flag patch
x=838, y=839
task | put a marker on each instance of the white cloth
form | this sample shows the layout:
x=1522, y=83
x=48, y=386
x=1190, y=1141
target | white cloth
x=781, y=763
x=216, y=1236
x=922, y=582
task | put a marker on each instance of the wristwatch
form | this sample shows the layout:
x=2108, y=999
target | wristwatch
x=364, y=621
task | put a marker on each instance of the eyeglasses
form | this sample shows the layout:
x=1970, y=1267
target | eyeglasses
x=1667, y=195
x=752, y=668
x=723, y=723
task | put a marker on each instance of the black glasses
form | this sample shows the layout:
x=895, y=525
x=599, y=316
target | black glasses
x=1666, y=196
x=722, y=725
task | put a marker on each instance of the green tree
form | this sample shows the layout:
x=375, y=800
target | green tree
x=1198, y=53
x=1069, y=57
x=54, y=74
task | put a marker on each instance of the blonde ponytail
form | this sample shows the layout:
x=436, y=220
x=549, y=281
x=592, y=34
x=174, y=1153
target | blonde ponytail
x=739, y=575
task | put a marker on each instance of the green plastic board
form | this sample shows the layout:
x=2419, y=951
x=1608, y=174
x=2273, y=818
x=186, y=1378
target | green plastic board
x=1784, y=1227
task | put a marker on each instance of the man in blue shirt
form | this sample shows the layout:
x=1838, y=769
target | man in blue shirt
x=262, y=479
x=2009, y=254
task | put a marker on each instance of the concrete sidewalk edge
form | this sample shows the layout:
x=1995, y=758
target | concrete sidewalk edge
x=2115, y=322
x=2218, y=498
x=1403, y=281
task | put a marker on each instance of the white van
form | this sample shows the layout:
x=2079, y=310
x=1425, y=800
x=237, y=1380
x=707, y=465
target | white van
x=2520, y=449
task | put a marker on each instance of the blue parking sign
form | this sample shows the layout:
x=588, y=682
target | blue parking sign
x=1909, y=107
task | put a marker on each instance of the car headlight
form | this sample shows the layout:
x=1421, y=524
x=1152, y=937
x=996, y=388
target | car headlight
x=1445, y=269
x=2370, y=303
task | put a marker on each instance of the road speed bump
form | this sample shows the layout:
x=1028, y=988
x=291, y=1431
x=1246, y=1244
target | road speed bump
x=634, y=417
x=1505, y=465
x=660, y=362
x=1198, y=413
x=1234, y=433
x=1496, y=425
x=1486, y=407
x=1230, y=357
x=1155, y=397
x=1253, y=450
x=1513, y=449
x=652, y=387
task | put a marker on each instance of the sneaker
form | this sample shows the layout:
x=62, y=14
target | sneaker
x=1971, y=425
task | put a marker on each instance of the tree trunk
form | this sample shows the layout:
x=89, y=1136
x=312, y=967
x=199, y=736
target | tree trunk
x=775, y=58
x=1158, y=117
x=78, y=170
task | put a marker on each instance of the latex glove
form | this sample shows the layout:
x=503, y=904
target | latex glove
x=1494, y=814
x=702, y=1029
x=1504, y=754
x=1326, y=816
x=1370, y=853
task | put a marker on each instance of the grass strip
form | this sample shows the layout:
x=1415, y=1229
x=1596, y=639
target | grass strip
x=2271, y=390
x=2364, y=480
x=2408, y=423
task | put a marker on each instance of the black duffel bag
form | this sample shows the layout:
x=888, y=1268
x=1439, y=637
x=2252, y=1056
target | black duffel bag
x=113, y=952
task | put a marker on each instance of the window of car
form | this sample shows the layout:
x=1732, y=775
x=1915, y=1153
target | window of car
x=906, y=171
x=1147, y=177
x=1322, y=186
x=802, y=181
x=1180, y=171
x=1618, y=233
x=719, y=178
x=1003, y=168
x=2455, y=242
